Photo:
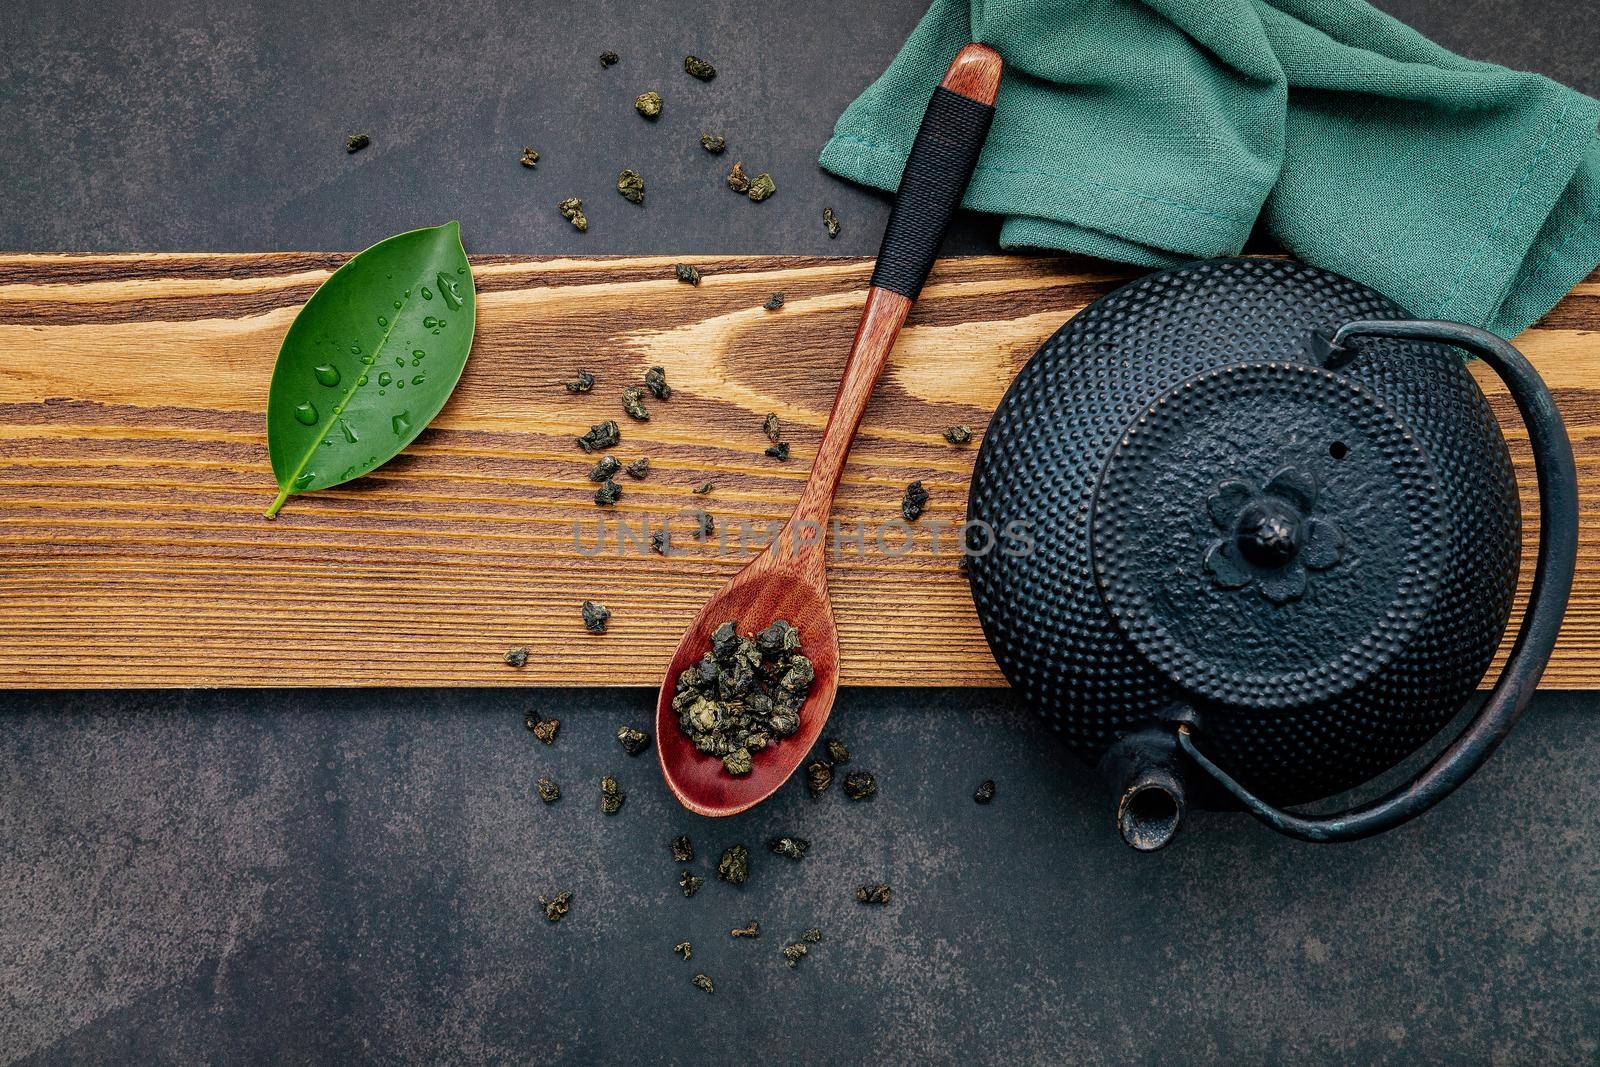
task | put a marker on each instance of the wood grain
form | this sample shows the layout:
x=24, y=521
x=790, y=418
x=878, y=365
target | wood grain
x=133, y=470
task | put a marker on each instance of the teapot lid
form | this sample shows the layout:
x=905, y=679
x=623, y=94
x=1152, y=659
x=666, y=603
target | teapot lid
x=1268, y=534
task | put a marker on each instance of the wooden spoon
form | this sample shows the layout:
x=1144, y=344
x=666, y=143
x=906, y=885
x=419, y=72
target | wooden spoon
x=789, y=579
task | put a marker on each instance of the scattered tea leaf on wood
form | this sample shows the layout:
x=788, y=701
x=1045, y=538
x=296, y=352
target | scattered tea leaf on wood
x=326, y=421
x=572, y=210
x=744, y=694
x=648, y=104
x=549, y=792
x=581, y=384
x=356, y=142
x=753, y=930
x=830, y=221
x=682, y=848
x=958, y=435
x=655, y=380
x=639, y=468
x=611, y=795
x=705, y=525
x=837, y=753
x=608, y=494
x=661, y=542
x=605, y=469
x=761, y=187
x=601, y=435
x=915, y=499
x=714, y=145
x=774, y=302
x=738, y=180
x=684, y=949
x=793, y=848
x=734, y=866
x=703, y=488
x=545, y=730
x=633, y=404
x=687, y=274
x=631, y=185
x=696, y=67
x=595, y=616
x=690, y=883
x=557, y=906
x=609, y=59
x=859, y=785
x=771, y=428
x=874, y=894
x=516, y=657
x=632, y=739
x=819, y=776
x=702, y=982
x=779, y=450
x=985, y=792
x=530, y=158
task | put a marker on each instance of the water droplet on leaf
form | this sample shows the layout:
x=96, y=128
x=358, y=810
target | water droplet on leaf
x=449, y=289
x=306, y=413
x=349, y=432
x=327, y=374
x=401, y=423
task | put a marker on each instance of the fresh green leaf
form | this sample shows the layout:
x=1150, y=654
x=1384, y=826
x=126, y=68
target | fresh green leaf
x=370, y=360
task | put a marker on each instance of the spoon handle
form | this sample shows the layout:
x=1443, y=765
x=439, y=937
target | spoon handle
x=937, y=170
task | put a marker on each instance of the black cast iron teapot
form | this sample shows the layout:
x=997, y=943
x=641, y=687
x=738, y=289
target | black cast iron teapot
x=1276, y=541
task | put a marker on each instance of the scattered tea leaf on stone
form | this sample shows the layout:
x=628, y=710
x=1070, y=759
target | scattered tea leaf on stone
x=682, y=848
x=545, y=730
x=609, y=59
x=734, y=866
x=696, y=67
x=714, y=145
x=794, y=952
x=605, y=469
x=837, y=753
x=611, y=795
x=516, y=657
x=549, y=792
x=632, y=739
x=556, y=907
x=793, y=848
x=984, y=792
x=761, y=187
x=812, y=935
x=874, y=894
x=639, y=468
x=631, y=185
x=753, y=930
x=633, y=404
x=601, y=435
x=779, y=450
x=690, y=883
x=684, y=949
x=703, y=982
x=655, y=380
x=771, y=428
x=830, y=221
x=859, y=785
x=738, y=180
x=572, y=210
x=819, y=776
x=356, y=142
x=595, y=616
x=530, y=158
x=958, y=435
x=581, y=384
x=608, y=494
x=915, y=499
x=774, y=302
x=687, y=274
x=648, y=104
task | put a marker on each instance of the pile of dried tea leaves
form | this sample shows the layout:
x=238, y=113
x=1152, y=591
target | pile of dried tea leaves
x=744, y=694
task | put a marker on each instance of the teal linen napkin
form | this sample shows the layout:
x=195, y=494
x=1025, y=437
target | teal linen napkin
x=1167, y=130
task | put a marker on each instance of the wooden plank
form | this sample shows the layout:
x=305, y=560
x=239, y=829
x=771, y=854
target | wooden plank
x=133, y=470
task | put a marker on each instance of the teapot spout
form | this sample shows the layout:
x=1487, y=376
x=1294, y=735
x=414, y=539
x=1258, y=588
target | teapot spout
x=1147, y=782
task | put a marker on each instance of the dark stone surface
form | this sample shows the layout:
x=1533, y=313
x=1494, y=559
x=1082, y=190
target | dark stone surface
x=233, y=877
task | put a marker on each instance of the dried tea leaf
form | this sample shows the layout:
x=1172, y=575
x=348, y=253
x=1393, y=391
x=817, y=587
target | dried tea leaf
x=356, y=142
x=738, y=180
x=874, y=894
x=774, y=302
x=812, y=935
x=687, y=274
x=793, y=952
x=837, y=753
x=703, y=488
x=793, y=848
x=632, y=739
x=661, y=542
x=557, y=906
x=684, y=949
x=690, y=883
x=648, y=104
x=608, y=494
x=914, y=501
x=545, y=730
x=631, y=185
x=572, y=210
x=549, y=792
x=958, y=435
x=530, y=158
x=738, y=761
x=734, y=866
x=753, y=930
x=639, y=468
x=985, y=792
x=611, y=795
x=600, y=435
x=696, y=67
x=714, y=145
x=761, y=187
x=516, y=657
x=633, y=404
x=830, y=221
x=606, y=469
x=819, y=776
x=682, y=848
x=744, y=694
x=779, y=450
x=530, y=719
x=655, y=380
x=608, y=59
x=771, y=428
x=595, y=616
x=859, y=785
x=702, y=982
x=705, y=526
x=581, y=384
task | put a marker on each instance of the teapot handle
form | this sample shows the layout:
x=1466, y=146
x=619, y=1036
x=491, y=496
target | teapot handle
x=1552, y=582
